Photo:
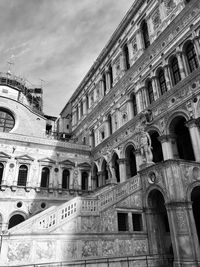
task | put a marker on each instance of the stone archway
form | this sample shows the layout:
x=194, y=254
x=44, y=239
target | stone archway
x=15, y=220
x=182, y=146
x=158, y=224
x=131, y=167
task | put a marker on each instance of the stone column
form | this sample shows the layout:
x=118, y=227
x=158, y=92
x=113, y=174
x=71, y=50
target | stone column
x=181, y=235
x=108, y=80
x=79, y=111
x=155, y=87
x=89, y=181
x=84, y=105
x=100, y=178
x=180, y=64
x=144, y=97
x=130, y=109
x=122, y=61
x=122, y=169
x=139, y=100
x=197, y=47
x=166, y=147
x=195, y=138
x=140, y=40
x=102, y=86
x=167, y=77
x=107, y=127
x=91, y=139
x=74, y=117
x=138, y=159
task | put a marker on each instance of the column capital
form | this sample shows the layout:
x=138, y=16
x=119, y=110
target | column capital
x=178, y=51
x=166, y=138
x=122, y=160
x=177, y=204
x=192, y=123
x=100, y=173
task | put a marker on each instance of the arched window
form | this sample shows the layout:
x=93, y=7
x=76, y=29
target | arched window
x=22, y=175
x=65, y=179
x=7, y=121
x=127, y=58
x=145, y=34
x=175, y=71
x=150, y=92
x=1, y=172
x=162, y=82
x=84, y=181
x=191, y=57
x=45, y=177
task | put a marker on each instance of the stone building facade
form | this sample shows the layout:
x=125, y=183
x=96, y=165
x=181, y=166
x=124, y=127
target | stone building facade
x=119, y=181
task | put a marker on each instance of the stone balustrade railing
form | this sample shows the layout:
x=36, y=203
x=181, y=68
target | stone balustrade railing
x=57, y=215
x=112, y=196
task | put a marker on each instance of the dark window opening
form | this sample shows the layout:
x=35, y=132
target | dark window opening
x=191, y=57
x=145, y=34
x=122, y=221
x=110, y=124
x=84, y=181
x=111, y=76
x=126, y=53
x=104, y=83
x=150, y=92
x=162, y=82
x=45, y=177
x=134, y=105
x=102, y=135
x=137, y=222
x=175, y=71
x=1, y=172
x=65, y=179
x=22, y=176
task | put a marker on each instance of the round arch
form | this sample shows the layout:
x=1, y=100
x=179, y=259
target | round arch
x=95, y=179
x=129, y=143
x=158, y=219
x=178, y=113
x=182, y=146
x=16, y=218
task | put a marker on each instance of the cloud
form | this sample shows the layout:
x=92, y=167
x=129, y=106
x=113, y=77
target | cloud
x=56, y=40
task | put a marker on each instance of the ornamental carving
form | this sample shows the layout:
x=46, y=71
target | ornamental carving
x=169, y=5
x=45, y=250
x=134, y=45
x=90, y=224
x=19, y=251
x=108, y=220
x=140, y=246
x=90, y=249
x=108, y=248
x=125, y=247
x=156, y=19
x=69, y=251
x=181, y=221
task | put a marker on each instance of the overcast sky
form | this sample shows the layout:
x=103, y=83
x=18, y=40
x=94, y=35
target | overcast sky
x=56, y=41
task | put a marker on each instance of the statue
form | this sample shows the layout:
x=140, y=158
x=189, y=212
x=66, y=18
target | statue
x=145, y=147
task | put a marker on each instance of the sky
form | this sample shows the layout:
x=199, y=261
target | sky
x=55, y=42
